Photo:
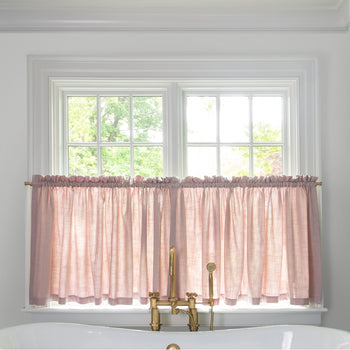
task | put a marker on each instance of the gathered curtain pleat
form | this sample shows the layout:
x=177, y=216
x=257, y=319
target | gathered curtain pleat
x=108, y=238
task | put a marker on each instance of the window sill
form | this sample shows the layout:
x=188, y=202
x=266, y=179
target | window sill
x=139, y=317
x=242, y=308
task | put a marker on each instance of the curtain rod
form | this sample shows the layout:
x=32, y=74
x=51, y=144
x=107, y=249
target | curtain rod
x=28, y=183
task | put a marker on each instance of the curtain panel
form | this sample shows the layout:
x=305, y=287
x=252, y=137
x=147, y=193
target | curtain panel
x=108, y=238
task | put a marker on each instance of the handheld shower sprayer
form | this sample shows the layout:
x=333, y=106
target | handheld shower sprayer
x=211, y=267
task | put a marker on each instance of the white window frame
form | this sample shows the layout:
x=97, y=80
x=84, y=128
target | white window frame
x=48, y=76
x=175, y=154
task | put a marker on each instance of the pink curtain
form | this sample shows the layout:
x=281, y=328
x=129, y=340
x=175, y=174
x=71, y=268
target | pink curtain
x=109, y=237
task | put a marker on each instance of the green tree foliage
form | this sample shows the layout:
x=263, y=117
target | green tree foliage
x=115, y=119
x=115, y=161
x=148, y=161
x=82, y=161
x=82, y=128
x=267, y=159
x=122, y=119
x=82, y=119
x=148, y=119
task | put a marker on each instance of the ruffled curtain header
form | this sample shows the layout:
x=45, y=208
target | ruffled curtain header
x=139, y=181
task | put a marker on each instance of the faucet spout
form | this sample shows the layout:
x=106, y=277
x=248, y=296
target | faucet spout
x=172, y=274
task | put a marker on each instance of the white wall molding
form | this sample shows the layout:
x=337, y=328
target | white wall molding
x=202, y=15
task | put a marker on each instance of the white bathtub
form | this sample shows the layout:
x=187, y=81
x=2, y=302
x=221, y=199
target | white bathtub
x=75, y=336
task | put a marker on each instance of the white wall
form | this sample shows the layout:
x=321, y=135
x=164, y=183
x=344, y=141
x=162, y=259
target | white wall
x=333, y=52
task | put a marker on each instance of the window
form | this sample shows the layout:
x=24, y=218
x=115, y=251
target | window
x=57, y=84
x=120, y=134
x=224, y=131
x=235, y=134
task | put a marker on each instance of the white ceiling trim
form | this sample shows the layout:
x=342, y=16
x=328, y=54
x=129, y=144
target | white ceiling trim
x=179, y=15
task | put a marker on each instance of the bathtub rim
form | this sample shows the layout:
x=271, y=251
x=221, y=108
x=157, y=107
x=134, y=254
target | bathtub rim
x=19, y=332
x=128, y=329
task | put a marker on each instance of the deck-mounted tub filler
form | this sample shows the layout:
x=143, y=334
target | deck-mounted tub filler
x=78, y=336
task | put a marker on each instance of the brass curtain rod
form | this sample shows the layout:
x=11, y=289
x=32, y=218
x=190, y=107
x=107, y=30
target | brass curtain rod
x=28, y=183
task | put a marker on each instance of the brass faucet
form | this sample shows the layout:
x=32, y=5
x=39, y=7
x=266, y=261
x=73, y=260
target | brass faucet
x=173, y=301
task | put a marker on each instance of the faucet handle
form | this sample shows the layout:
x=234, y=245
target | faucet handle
x=192, y=295
x=153, y=294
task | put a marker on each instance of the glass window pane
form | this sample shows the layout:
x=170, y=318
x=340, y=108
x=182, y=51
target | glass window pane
x=148, y=119
x=267, y=161
x=234, y=119
x=201, y=119
x=148, y=161
x=267, y=119
x=201, y=161
x=115, y=119
x=234, y=161
x=82, y=161
x=115, y=161
x=82, y=119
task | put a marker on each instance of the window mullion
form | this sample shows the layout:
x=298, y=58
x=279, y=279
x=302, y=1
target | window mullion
x=131, y=127
x=287, y=167
x=98, y=141
x=184, y=133
x=175, y=131
x=251, y=149
x=218, y=148
x=65, y=136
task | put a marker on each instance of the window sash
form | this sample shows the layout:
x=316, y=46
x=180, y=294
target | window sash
x=99, y=144
x=251, y=144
